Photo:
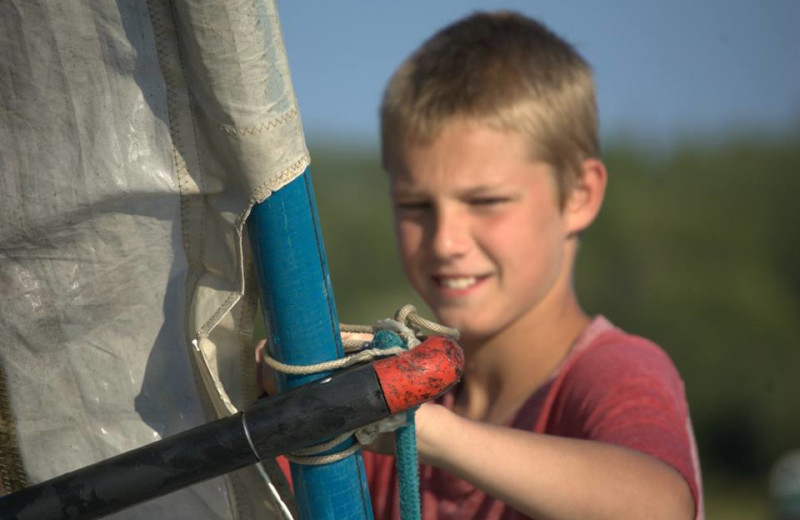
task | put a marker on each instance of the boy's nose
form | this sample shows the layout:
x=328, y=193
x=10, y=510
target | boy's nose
x=451, y=236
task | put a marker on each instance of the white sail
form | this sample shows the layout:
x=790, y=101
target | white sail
x=134, y=139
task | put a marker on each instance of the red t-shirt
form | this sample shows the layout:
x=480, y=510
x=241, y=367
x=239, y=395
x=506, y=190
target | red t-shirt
x=613, y=387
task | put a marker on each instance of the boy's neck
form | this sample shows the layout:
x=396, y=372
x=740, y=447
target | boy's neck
x=504, y=370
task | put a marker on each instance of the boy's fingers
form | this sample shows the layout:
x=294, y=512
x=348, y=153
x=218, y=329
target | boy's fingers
x=356, y=336
x=383, y=444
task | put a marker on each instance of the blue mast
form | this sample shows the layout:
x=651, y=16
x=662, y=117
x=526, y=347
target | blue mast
x=301, y=319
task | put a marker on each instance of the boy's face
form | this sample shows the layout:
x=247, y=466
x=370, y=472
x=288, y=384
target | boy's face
x=478, y=227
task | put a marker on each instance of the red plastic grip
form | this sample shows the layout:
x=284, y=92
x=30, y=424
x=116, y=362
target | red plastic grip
x=421, y=374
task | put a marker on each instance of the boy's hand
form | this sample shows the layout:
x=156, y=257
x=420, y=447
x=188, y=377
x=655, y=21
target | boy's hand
x=382, y=445
x=427, y=412
x=363, y=337
x=426, y=420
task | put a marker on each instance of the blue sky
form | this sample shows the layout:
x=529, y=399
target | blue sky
x=665, y=71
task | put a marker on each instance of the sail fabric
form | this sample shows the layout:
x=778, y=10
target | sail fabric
x=134, y=139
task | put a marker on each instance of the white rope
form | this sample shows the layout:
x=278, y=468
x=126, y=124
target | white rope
x=335, y=364
x=309, y=457
x=408, y=315
x=366, y=435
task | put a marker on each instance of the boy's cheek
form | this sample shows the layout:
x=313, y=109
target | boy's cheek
x=409, y=239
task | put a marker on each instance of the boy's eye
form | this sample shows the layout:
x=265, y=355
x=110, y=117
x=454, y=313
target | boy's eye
x=488, y=201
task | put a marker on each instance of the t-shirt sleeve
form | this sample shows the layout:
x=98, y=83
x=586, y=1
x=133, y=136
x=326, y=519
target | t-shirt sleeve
x=627, y=392
x=382, y=482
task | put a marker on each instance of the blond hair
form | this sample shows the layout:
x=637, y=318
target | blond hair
x=503, y=70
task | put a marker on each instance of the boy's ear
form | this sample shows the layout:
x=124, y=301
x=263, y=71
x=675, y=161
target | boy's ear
x=586, y=198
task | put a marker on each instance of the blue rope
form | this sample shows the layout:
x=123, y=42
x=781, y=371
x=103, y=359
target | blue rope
x=405, y=445
x=408, y=469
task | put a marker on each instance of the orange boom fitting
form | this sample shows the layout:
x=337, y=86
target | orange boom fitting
x=423, y=373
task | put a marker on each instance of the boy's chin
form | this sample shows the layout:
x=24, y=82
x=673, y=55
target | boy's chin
x=475, y=334
x=472, y=325
x=468, y=328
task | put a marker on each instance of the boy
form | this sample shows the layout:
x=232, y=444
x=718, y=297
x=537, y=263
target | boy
x=489, y=137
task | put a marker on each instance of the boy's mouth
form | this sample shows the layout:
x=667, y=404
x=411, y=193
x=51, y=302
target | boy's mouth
x=457, y=283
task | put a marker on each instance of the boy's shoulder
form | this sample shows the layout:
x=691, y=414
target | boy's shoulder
x=602, y=340
x=623, y=389
x=607, y=360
